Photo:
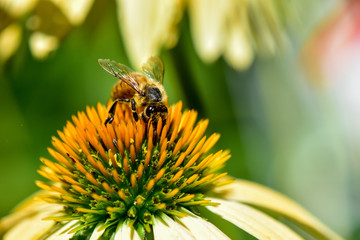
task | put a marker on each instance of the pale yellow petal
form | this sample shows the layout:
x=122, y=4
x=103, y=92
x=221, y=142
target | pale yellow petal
x=256, y=194
x=123, y=231
x=31, y=227
x=201, y=228
x=208, y=22
x=9, y=41
x=28, y=208
x=96, y=233
x=41, y=44
x=64, y=232
x=252, y=221
x=166, y=228
x=239, y=52
x=76, y=11
x=147, y=26
x=17, y=8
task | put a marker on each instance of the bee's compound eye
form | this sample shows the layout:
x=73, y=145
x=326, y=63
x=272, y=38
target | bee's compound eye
x=149, y=110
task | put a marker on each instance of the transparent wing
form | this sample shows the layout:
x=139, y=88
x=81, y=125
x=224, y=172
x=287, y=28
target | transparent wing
x=122, y=72
x=154, y=69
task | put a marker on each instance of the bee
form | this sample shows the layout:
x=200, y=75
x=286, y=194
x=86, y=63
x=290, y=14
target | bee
x=144, y=92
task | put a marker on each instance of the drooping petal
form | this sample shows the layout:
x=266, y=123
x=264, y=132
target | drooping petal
x=32, y=227
x=252, y=221
x=201, y=228
x=166, y=228
x=32, y=208
x=64, y=233
x=96, y=233
x=208, y=29
x=239, y=53
x=9, y=41
x=17, y=8
x=76, y=11
x=124, y=231
x=41, y=44
x=147, y=26
x=256, y=194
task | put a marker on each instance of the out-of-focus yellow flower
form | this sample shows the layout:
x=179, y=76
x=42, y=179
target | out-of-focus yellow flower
x=48, y=20
x=41, y=44
x=10, y=30
x=132, y=180
x=9, y=41
x=17, y=8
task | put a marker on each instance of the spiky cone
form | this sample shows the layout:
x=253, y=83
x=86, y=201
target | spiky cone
x=130, y=180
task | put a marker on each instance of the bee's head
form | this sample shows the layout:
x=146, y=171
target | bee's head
x=155, y=111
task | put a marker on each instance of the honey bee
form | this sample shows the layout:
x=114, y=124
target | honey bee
x=144, y=91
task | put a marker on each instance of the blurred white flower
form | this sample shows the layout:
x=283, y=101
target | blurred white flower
x=235, y=29
x=49, y=21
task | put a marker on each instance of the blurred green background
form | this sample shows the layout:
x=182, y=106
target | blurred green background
x=283, y=130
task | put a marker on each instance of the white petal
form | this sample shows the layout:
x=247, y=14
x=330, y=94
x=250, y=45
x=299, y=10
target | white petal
x=147, y=26
x=166, y=228
x=30, y=208
x=252, y=221
x=201, y=228
x=9, y=41
x=123, y=231
x=17, y=8
x=208, y=21
x=34, y=208
x=63, y=233
x=238, y=52
x=31, y=227
x=76, y=11
x=96, y=233
x=253, y=193
x=41, y=44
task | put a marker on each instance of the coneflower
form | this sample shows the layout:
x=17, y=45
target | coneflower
x=132, y=180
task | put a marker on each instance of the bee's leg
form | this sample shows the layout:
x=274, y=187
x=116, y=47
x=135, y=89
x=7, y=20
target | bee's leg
x=133, y=109
x=110, y=118
x=144, y=118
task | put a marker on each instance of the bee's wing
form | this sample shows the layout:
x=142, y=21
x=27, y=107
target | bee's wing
x=122, y=72
x=154, y=69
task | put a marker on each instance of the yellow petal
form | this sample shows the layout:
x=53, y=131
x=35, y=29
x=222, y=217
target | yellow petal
x=256, y=194
x=201, y=228
x=252, y=221
x=166, y=228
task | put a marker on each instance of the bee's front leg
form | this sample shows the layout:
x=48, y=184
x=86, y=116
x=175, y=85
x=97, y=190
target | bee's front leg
x=110, y=118
x=144, y=118
x=133, y=109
